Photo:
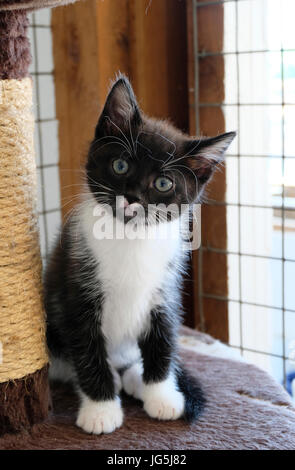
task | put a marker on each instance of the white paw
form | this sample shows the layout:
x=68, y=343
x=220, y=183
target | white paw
x=132, y=381
x=100, y=417
x=163, y=401
x=163, y=408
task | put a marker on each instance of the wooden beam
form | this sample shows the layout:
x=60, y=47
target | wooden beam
x=77, y=96
x=158, y=58
x=209, y=268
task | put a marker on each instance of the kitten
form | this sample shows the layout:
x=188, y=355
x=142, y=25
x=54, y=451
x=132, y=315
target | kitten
x=113, y=305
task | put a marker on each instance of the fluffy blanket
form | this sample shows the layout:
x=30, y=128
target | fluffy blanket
x=245, y=409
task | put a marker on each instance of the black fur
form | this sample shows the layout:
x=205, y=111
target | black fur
x=194, y=396
x=158, y=344
x=73, y=318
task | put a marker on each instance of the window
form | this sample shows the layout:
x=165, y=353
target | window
x=258, y=53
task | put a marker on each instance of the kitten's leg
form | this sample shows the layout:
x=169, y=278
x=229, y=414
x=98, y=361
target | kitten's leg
x=160, y=394
x=100, y=410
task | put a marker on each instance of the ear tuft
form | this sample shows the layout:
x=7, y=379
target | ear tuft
x=121, y=109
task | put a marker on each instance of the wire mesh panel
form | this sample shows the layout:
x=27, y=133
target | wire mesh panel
x=46, y=128
x=258, y=54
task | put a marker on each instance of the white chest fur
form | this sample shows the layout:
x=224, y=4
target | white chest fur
x=131, y=273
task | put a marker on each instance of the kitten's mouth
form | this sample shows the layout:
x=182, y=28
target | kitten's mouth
x=131, y=210
x=136, y=213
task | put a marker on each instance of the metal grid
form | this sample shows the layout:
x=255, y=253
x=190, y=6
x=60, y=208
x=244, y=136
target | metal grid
x=239, y=204
x=46, y=137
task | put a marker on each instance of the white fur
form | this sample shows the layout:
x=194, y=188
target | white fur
x=99, y=417
x=161, y=400
x=132, y=381
x=131, y=272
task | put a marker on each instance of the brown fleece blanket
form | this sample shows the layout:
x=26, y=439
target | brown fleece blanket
x=245, y=409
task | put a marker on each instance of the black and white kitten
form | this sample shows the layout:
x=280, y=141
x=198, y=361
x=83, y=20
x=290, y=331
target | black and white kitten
x=113, y=304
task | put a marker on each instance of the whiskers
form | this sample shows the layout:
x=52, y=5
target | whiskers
x=183, y=157
x=156, y=214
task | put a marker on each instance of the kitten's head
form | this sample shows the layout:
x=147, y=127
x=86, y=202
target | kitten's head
x=147, y=161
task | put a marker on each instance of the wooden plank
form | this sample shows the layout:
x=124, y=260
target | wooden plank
x=209, y=269
x=210, y=28
x=76, y=89
x=214, y=323
x=191, y=63
x=112, y=42
x=158, y=64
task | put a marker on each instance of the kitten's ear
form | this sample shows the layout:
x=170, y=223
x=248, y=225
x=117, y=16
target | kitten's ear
x=120, y=110
x=205, y=154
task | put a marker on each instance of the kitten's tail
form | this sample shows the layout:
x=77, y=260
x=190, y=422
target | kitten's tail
x=194, y=396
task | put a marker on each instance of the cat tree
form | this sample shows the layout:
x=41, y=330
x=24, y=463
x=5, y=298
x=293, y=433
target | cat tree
x=245, y=407
x=23, y=356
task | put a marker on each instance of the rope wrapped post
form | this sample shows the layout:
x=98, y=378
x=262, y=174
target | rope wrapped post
x=23, y=357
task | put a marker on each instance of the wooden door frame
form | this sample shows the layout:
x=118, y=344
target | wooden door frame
x=206, y=87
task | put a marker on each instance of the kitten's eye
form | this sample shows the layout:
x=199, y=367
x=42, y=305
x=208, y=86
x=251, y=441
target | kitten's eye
x=120, y=166
x=163, y=184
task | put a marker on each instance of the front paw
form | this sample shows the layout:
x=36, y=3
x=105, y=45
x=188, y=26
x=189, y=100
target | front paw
x=100, y=417
x=162, y=400
x=165, y=408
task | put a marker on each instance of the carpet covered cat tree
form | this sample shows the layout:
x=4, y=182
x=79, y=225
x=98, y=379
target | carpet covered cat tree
x=245, y=408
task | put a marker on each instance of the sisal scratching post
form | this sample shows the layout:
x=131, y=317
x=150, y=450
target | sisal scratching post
x=23, y=356
x=23, y=361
